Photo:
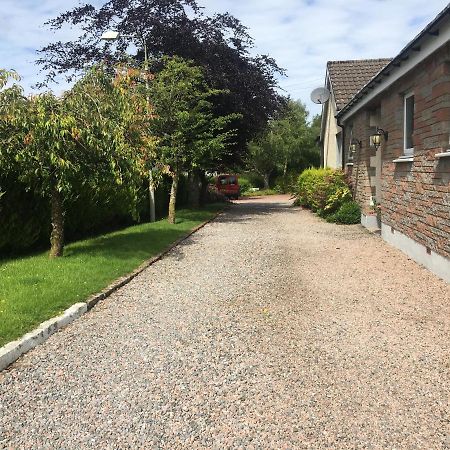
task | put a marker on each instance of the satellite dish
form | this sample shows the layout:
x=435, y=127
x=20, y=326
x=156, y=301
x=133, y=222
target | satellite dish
x=320, y=95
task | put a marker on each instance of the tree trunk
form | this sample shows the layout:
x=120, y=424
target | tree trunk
x=203, y=187
x=173, y=198
x=194, y=189
x=57, y=217
x=151, y=196
x=285, y=167
x=266, y=180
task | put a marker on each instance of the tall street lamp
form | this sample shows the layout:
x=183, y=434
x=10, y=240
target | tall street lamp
x=112, y=36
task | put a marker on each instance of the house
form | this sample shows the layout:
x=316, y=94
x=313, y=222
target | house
x=397, y=147
x=343, y=79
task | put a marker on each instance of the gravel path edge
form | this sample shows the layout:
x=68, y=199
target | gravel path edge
x=12, y=351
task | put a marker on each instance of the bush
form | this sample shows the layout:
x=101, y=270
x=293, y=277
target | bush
x=214, y=196
x=253, y=178
x=327, y=192
x=25, y=216
x=244, y=184
x=286, y=184
x=322, y=190
x=348, y=213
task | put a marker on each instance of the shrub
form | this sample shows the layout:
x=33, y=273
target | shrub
x=244, y=184
x=337, y=198
x=327, y=193
x=24, y=215
x=254, y=179
x=322, y=190
x=286, y=184
x=214, y=196
x=348, y=213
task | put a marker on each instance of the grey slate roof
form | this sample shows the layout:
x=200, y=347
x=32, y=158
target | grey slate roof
x=348, y=77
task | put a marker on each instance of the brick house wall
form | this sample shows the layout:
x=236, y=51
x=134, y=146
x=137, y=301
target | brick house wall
x=414, y=196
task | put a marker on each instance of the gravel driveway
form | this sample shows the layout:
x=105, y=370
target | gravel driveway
x=268, y=328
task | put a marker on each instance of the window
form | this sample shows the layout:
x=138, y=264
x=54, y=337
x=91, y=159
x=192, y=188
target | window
x=408, y=123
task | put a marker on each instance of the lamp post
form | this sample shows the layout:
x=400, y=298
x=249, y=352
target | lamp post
x=112, y=36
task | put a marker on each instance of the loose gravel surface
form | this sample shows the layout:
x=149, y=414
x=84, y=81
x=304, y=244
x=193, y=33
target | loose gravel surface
x=267, y=329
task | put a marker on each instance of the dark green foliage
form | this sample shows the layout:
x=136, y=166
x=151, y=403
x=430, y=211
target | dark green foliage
x=24, y=216
x=219, y=44
x=348, y=213
x=286, y=184
x=287, y=146
x=253, y=179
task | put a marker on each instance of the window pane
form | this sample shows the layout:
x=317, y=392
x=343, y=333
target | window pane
x=409, y=121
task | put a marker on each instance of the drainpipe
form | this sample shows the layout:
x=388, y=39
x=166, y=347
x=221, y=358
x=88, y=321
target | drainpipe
x=343, y=142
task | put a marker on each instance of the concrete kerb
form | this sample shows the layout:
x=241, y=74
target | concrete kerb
x=12, y=351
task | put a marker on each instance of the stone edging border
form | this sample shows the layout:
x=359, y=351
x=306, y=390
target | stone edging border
x=12, y=351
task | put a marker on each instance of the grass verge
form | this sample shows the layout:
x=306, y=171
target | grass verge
x=260, y=193
x=35, y=288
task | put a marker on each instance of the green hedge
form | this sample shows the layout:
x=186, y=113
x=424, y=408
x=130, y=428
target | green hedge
x=25, y=217
x=326, y=192
x=348, y=213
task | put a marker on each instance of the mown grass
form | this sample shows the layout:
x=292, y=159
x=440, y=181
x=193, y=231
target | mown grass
x=260, y=193
x=35, y=288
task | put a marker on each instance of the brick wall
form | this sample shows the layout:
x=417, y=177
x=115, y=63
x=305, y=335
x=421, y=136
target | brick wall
x=415, y=197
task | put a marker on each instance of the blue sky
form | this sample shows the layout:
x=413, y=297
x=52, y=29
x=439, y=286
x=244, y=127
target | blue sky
x=302, y=35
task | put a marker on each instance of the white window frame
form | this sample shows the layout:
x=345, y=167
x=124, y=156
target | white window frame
x=407, y=151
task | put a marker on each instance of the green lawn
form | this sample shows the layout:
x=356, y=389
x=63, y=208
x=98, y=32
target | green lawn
x=35, y=288
x=260, y=193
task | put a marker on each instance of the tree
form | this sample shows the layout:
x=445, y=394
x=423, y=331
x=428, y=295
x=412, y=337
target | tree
x=288, y=143
x=263, y=155
x=187, y=132
x=58, y=144
x=291, y=130
x=220, y=44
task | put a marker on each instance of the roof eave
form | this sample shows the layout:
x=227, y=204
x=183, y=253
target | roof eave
x=385, y=77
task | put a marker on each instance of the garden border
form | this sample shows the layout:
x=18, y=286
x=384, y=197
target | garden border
x=12, y=351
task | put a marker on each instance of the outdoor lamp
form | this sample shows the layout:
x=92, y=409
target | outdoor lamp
x=376, y=138
x=354, y=145
x=109, y=35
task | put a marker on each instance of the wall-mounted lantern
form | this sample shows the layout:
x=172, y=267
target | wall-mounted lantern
x=376, y=138
x=354, y=145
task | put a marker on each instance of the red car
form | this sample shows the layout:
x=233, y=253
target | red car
x=228, y=185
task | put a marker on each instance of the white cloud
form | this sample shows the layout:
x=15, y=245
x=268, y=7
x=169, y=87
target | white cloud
x=302, y=35
x=322, y=30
